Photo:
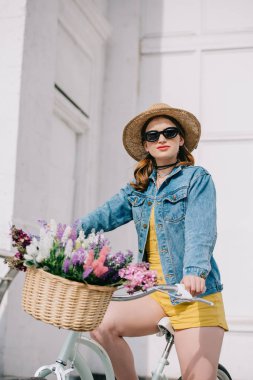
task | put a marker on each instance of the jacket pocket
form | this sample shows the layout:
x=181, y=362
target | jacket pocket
x=137, y=206
x=174, y=205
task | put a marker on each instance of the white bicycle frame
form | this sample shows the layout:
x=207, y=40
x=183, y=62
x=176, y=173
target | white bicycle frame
x=70, y=359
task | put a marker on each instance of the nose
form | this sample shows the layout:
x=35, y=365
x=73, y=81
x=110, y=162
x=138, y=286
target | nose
x=161, y=139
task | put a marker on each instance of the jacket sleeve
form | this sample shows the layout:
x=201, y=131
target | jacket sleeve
x=200, y=226
x=112, y=214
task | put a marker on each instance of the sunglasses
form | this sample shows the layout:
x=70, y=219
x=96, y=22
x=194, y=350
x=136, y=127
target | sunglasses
x=168, y=133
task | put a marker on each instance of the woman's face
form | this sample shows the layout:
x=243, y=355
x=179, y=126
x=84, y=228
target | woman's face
x=163, y=150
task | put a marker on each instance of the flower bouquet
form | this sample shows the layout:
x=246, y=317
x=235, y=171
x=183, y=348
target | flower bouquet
x=70, y=277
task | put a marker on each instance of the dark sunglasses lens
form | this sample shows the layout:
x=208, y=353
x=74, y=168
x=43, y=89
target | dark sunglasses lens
x=152, y=136
x=170, y=133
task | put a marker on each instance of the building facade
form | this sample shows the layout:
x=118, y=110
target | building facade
x=72, y=74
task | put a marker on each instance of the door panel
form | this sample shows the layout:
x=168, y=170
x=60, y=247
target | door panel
x=62, y=171
x=227, y=78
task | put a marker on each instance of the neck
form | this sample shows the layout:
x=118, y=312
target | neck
x=165, y=166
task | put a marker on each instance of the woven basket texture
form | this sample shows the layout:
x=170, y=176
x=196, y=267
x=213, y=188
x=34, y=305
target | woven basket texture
x=64, y=303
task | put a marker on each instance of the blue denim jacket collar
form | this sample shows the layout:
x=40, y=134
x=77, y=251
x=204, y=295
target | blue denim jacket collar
x=173, y=172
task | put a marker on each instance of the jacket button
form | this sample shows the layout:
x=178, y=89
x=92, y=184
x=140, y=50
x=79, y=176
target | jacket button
x=145, y=225
x=149, y=203
x=174, y=197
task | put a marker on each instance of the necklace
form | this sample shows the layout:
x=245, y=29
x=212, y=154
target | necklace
x=162, y=175
x=166, y=166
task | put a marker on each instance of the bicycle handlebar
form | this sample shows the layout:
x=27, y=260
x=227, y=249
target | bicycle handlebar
x=177, y=291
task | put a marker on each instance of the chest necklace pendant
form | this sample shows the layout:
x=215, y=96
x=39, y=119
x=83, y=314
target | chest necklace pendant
x=160, y=179
x=159, y=175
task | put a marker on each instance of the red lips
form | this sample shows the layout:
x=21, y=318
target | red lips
x=163, y=147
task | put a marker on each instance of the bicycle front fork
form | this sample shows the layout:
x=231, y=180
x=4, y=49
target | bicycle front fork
x=69, y=353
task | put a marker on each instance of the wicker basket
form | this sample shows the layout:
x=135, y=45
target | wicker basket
x=64, y=303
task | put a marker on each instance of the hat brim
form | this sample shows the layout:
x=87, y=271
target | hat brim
x=132, y=132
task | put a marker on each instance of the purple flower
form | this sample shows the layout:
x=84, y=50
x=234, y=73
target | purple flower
x=99, y=242
x=66, y=265
x=87, y=272
x=79, y=256
x=73, y=234
x=60, y=231
x=19, y=255
x=119, y=260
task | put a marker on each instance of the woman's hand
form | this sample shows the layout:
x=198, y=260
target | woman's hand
x=194, y=284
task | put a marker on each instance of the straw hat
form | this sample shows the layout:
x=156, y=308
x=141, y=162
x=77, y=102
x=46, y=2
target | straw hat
x=132, y=132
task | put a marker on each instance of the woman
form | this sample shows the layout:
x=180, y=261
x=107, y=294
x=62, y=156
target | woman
x=172, y=203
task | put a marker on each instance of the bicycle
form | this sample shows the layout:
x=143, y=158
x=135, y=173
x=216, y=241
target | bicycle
x=70, y=359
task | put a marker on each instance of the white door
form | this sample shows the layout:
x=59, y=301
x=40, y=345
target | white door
x=79, y=71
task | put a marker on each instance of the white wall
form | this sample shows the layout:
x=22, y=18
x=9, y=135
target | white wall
x=201, y=52
x=195, y=54
x=31, y=161
x=52, y=156
x=12, y=24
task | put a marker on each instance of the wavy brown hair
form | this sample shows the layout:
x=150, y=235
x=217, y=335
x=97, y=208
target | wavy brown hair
x=145, y=166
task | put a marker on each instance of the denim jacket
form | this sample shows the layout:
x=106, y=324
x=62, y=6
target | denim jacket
x=185, y=220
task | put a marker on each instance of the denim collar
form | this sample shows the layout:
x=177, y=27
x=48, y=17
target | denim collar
x=173, y=172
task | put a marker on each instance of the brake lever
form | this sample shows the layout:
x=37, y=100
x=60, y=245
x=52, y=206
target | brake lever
x=183, y=295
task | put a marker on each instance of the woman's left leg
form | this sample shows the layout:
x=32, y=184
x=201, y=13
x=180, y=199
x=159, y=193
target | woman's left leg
x=198, y=351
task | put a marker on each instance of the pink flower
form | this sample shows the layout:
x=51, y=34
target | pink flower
x=138, y=277
x=99, y=268
x=87, y=266
x=103, y=253
x=90, y=259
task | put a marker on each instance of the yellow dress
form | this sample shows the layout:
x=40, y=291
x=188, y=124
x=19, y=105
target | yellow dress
x=184, y=315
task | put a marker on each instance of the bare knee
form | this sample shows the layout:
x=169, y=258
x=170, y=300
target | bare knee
x=105, y=333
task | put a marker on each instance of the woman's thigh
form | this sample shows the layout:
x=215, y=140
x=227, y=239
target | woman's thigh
x=198, y=351
x=133, y=318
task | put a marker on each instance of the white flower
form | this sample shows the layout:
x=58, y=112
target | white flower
x=85, y=243
x=68, y=248
x=42, y=233
x=33, y=247
x=81, y=236
x=32, y=250
x=45, y=245
x=40, y=258
x=66, y=234
x=29, y=257
x=92, y=238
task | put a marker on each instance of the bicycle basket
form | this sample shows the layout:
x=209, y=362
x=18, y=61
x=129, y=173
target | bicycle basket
x=64, y=303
